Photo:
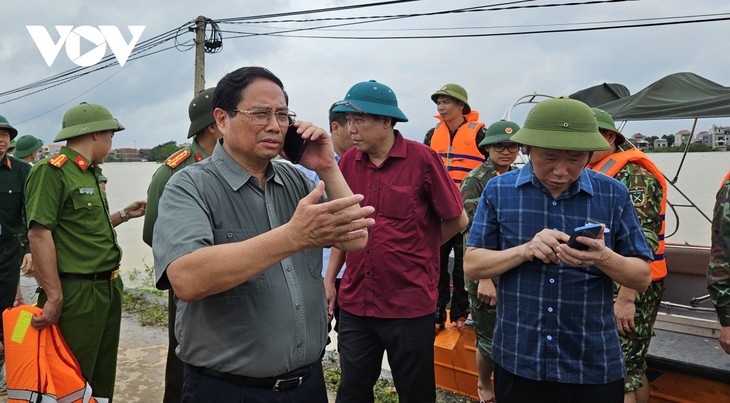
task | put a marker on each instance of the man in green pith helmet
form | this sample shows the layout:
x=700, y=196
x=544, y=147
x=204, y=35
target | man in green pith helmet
x=27, y=148
x=205, y=133
x=502, y=153
x=636, y=311
x=555, y=336
x=455, y=138
x=75, y=249
x=14, y=252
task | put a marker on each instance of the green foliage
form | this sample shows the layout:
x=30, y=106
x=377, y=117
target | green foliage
x=694, y=147
x=161, y=152
x=150, y=313
x=142, y=300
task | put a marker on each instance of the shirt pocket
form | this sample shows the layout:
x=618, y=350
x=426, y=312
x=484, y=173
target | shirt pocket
x=255, y=285
x=399, y=202
x=87, y=210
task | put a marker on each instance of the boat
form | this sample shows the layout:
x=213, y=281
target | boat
x=686, y=362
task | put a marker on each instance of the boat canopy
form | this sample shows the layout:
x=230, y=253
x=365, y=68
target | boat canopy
x=676, y=96
x=601, y=94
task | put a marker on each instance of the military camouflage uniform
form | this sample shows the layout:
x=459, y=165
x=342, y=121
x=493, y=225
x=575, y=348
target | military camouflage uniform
x=718, y=275
x=646, y=195
x=484, y=315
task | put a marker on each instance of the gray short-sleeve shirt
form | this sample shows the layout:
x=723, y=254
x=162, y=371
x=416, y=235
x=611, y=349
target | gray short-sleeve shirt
x=276, y=321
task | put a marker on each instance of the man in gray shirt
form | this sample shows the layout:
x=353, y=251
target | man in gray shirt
x=239, y=239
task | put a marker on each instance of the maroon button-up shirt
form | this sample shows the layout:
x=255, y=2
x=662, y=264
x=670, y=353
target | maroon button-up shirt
x=397, y=274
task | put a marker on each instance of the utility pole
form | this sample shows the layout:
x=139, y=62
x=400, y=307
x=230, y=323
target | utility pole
x=199, y=55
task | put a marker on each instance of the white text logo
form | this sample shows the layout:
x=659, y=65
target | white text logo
x=105, y=34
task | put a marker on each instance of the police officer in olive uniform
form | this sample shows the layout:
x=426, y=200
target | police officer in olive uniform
x=502, y=152
x=205, y=133
x=74, y=245
x=14, y=251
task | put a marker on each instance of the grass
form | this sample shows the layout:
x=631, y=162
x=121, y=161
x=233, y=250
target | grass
x=384, y=390
x=142, y=300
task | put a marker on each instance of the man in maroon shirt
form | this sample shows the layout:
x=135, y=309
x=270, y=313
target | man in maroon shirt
x=388, y=293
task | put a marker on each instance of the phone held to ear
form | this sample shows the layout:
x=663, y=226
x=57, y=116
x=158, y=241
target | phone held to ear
x=294, y=145
x=589, y=230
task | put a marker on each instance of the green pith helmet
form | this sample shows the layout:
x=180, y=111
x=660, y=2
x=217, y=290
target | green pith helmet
x=454, y=91
x=200, y=111
x=373, y=98
x=499, y=132
x=561, y=124
x=12, y=145
x=605, y=121
x=5, y=125
x=86, y=118
x=26, y=145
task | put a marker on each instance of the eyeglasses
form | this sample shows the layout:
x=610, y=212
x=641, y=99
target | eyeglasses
x=350, y=105
x=263, y=116
x=511, y=147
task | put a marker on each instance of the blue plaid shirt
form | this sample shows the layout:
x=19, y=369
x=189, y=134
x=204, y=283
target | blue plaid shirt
x=556, y=322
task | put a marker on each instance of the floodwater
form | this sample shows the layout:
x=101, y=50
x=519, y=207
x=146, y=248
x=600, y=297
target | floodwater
x=699, y=179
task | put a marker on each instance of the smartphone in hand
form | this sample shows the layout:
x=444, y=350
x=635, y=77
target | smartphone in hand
x=589, y=230
x=294, y=145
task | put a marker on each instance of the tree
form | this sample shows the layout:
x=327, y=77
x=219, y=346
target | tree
x=161, y=152
x=670, y=139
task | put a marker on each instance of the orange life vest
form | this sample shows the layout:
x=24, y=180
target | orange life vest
x=40, y=367
x=610, y=166
x=462, y=154
x=727, y=178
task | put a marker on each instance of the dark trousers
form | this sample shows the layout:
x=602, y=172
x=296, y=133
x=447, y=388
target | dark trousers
x=409, y=343
x=459, y=298
x=11, y=257
x=512, y=388
x=174, y=365
x=201, y=388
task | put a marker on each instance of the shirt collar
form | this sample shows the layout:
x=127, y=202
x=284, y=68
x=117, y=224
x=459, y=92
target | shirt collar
x=79, y=160
x=232, y=172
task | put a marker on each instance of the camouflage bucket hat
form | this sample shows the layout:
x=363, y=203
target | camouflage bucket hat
x=200, y=111
x=27, y=145
x=499, y=131
x=561, y=124
x=605, y=122
x=4, y=124
x=86, y=118
x=454, y=91
x=373, y=98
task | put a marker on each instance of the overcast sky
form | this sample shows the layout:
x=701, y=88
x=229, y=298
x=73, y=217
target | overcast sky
x=150, y=95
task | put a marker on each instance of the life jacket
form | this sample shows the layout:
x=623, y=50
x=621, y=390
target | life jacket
x=610, y=166
x=727, y=178
x=40, y=367
x=462, y=154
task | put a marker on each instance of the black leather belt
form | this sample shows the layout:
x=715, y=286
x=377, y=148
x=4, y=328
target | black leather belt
x=105, y=275
x=288, y=381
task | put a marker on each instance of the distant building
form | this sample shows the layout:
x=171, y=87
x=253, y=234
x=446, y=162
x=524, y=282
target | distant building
x=717, y=137
x=126, y=154
x=681, y=137
x=660, y=143
x=639, y=141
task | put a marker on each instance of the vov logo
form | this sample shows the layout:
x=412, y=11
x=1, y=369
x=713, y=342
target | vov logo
x=71, y=37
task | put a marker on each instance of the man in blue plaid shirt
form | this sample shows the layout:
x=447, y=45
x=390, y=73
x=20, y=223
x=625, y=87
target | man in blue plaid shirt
x=555, y=339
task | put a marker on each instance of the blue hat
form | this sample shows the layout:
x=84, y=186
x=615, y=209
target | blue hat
x=373, y=98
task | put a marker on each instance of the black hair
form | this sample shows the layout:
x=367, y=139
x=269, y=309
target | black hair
x=229, y=90
x=338, y=117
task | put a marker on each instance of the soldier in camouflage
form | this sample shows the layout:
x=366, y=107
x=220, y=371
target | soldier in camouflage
x=636, y=312
x=482, y=293
x=718, y=273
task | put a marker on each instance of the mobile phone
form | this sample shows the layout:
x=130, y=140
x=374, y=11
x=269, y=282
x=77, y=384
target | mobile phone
x=294, y=145
x=589, y=230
